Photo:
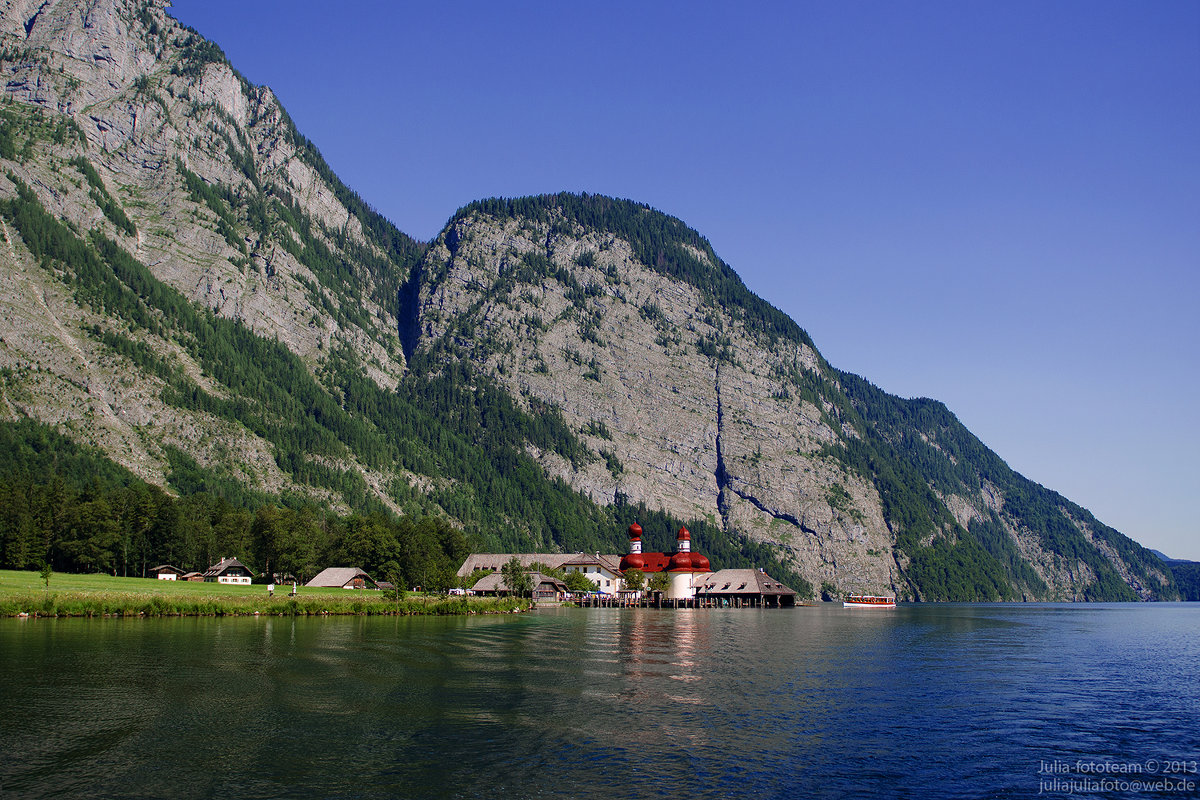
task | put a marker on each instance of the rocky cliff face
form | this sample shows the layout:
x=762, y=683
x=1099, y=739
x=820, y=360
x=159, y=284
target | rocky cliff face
x=189, y=287
x=224, y=201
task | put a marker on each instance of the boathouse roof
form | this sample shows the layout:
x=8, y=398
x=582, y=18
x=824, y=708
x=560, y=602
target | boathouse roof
x=742, y=582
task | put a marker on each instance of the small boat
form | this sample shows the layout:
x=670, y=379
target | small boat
x=868, y=601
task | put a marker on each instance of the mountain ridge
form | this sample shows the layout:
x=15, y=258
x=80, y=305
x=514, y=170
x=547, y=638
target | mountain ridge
x=196, y=293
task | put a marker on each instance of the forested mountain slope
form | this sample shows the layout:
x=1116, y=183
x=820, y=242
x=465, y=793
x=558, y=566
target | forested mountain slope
x=192, y=295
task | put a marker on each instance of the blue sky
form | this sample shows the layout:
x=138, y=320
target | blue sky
x=996, y=205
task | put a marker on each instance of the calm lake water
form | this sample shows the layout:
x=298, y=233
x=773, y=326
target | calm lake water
x=923, y=701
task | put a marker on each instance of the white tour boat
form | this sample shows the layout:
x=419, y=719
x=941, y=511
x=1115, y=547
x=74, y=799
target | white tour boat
x=868, y=601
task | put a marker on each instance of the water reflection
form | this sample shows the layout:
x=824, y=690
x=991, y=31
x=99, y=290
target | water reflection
x=958, y=700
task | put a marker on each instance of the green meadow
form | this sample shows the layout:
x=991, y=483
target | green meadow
x=23, y=592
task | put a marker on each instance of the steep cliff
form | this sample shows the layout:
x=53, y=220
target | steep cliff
x=128, y=126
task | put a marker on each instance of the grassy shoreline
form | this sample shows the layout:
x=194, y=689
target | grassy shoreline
x=24, y=594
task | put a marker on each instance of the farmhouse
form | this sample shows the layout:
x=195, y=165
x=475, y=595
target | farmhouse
x=166, y=572
x=228, y=570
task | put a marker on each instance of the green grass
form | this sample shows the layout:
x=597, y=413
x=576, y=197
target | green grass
x=101, y=595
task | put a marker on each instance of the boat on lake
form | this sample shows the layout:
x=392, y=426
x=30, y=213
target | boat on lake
x=868, y=601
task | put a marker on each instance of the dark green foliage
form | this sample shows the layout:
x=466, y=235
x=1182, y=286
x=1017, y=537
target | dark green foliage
x=1187, y=579
x=389, y=257
x=578, y=583
x=516, y=579
x=599, y=429
x=959, y=570
x=271, y=391
x=73, y=509
x=718, y=348
x=30, y=451
x=241, y=153
x=137, y=352
x=8, y=139
x=63, y=504
x=995, y=539
x=337, y=273
x=459, y=428
x=147, y=20
x=452, y=424
x=195, y=52
x=188, y=478
x=23, y=126
x=613, y=463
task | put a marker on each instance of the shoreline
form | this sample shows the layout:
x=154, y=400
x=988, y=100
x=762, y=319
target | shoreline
x=24, y=594
x=116, y=604
x=54, y=605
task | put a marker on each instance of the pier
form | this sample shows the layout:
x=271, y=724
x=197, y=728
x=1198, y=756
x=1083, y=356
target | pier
x=658, y=601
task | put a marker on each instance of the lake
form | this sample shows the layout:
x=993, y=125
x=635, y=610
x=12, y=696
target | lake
x=923, y=701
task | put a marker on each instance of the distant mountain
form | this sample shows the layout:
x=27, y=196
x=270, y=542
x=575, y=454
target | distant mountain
x=191, y=291
x=1186, y=575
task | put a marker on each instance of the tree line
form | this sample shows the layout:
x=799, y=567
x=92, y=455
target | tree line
x=71, y=508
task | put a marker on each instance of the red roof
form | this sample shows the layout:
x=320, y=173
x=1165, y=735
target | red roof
x=666, y=562
x=633, y=561
x=650, y=562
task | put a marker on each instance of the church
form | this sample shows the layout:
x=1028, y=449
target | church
x=685, y=568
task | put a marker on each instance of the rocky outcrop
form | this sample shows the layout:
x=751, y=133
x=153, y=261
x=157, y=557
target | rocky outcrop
x=150, y=105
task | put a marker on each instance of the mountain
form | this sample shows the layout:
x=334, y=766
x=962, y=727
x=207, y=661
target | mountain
x=1186, y=574
x=195, y=299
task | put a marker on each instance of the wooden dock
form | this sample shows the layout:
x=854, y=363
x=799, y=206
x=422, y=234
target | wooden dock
x=594, y=601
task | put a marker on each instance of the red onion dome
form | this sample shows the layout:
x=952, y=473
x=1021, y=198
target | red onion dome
x=635, y=531
x=633, y=561
x=700, y=563
x=683, y=535
x=680, y=562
